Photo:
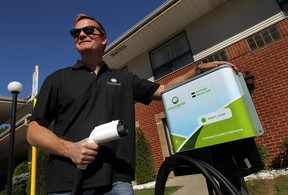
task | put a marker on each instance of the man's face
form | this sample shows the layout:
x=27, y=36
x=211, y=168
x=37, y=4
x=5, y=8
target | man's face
x=89, y=42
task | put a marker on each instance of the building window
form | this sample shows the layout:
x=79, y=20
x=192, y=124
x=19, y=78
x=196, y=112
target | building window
x=264, y=38
x=219, y=56
x=171, y=56
x=283, y=4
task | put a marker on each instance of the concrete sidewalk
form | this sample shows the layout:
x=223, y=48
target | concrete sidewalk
x=192, y=184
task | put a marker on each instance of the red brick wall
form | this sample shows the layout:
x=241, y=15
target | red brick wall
x=270, y=68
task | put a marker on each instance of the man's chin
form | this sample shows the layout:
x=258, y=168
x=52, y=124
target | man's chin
x=83, y=49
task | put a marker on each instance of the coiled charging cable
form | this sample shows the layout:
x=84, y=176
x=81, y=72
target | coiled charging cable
x=213, y=177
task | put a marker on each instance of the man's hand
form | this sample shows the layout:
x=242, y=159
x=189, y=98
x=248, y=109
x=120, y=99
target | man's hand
x=210, y=65
x=83, y=152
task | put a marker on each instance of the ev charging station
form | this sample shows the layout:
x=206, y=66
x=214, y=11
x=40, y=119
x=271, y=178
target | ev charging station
x=212, y=123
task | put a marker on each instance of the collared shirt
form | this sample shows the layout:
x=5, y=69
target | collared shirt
x=77, y=100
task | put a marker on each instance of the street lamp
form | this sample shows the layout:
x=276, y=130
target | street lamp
x=14, y=88
x=249, y=78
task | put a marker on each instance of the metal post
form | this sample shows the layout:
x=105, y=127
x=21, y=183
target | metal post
x=14, y=88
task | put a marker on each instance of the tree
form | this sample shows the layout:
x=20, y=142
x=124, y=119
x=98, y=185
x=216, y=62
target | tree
x=145, y=169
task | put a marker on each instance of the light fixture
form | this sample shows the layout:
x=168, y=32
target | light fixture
x=249, y=79
x=14, y=88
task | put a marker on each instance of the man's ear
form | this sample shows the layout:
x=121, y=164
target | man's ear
x=104, y=40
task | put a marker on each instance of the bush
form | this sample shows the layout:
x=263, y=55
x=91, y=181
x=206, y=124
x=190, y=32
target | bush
x=21, y=168
x=281, y=160
x=263, y=153
x=145, y=170
x=285, y=144
x=20, y=179
x=16, y=190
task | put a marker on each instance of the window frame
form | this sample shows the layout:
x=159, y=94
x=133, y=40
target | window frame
x=167, y=66
x=212, y=57
x=257, y=41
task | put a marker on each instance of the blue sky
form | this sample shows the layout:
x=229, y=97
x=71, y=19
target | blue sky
x=36, y=32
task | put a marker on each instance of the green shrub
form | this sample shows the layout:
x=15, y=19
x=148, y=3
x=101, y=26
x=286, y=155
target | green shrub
x=145, y=170
x=16, y=190
x=20, y=178
x=284, y=155
x=21, y=168
x=285, y=143
x=263, y=153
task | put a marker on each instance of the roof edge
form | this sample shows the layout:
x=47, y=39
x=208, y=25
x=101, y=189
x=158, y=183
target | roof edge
x=162, y=8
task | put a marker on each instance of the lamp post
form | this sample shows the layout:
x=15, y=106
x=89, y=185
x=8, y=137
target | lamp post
x=14, y=88
x=249, y=78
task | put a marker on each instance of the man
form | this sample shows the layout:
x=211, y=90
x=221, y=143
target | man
x=78, y=98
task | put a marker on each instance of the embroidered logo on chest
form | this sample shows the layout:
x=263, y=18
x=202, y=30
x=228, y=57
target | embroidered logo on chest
x=113, y=81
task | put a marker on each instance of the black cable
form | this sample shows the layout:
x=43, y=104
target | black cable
x=162, y=176
x=218, y=176
x=210, y=173
x=228, y=185
x=198, y=164
x=173, y=162
x=78, y=181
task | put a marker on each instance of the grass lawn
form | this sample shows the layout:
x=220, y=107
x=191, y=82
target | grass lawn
x=277, y=186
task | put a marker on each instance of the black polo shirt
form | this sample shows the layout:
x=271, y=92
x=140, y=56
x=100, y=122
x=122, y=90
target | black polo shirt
x=77, y=100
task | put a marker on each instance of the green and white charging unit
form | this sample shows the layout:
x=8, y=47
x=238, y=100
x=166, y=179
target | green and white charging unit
x=211, y=108
x=211, y=120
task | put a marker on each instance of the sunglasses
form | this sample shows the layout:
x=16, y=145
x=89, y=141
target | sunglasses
x=88, y=30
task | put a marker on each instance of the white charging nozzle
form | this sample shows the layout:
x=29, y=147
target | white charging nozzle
x=108, y=132
x=105, y=133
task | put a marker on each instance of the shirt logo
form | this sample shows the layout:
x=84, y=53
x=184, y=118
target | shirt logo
x=113, y=81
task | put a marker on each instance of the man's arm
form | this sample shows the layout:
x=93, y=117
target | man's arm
x=188, y=75
x=40, y=136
